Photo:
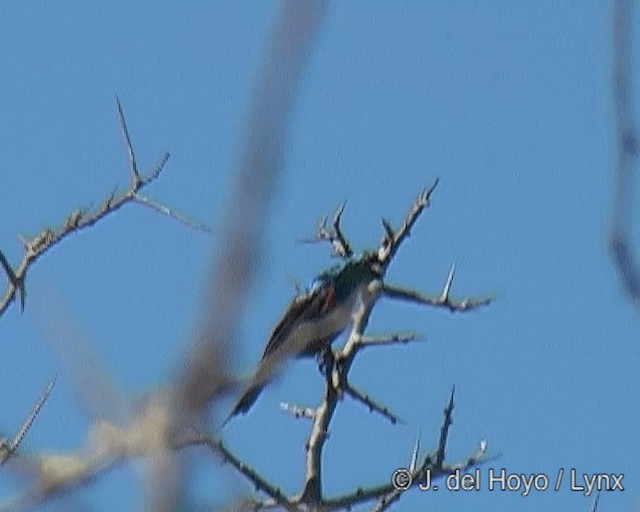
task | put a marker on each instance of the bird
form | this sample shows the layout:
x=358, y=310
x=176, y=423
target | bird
x=311, y=321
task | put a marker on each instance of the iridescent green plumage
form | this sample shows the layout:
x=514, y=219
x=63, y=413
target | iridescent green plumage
x=312, y=321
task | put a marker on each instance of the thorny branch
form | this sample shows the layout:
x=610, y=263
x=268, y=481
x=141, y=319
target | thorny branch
x=155, y=431
x=370, y=404
x=336, y=379
x=432, y=463
x=109, y=446
x=80, y=219
x=339, y=244
x=152, y=431
x=258, y=169
x=443, y=300
x=392, y=240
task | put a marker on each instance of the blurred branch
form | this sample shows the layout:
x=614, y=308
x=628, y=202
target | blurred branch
x=258, y=170
x=106, y=446
x=78, y=220
x=152, y=432
x=260, y=164
x=627, y=150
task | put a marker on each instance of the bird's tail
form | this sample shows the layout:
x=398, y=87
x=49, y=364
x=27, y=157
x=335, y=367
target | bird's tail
x=246, y=401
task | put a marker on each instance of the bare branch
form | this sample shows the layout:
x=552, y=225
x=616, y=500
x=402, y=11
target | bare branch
x=371, y=404
x=78, y=220
x=387, y=494
x=391, y=243
x=335, y=376
x=392, y=339
x=217, y=447
x=443, y=300
x=150, y=203
x=241, y=251
x=157, y=432
x=339, y=243
x=297, y=411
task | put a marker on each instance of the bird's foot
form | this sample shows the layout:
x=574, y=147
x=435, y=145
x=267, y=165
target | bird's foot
x=326, y=361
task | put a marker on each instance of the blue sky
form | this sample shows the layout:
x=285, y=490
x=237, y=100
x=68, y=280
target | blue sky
x=509, y=103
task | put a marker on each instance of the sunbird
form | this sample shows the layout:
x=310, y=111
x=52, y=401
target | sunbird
x=312, y=321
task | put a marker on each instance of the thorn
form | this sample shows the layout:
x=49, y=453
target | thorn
x=125, y=132
x=26, y=425
x=22, y=293
x=387, y=228
x=323, y=222
x=339, y=211
x=414, y=455
x=427, y=193
x=444, y=297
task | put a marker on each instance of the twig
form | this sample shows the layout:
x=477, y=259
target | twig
x=133, y=166
x=339, y=243
x=443, y=300
x=444, y=431
x=371, y=404
x=219, y=449
x=380, y=341
x=78, y=220
x=150, y=203
x=387, y=494
x=391, y=244
x=297, y=411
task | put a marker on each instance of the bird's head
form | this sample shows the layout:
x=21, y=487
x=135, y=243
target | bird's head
x=355, y=271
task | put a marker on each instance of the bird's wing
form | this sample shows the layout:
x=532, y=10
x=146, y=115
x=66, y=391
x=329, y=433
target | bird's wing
x=301, y=309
